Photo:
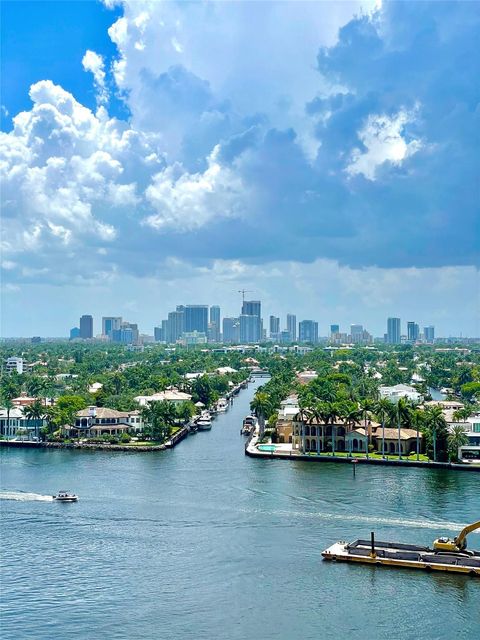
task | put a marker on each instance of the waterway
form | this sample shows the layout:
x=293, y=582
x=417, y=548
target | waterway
x=202, y=542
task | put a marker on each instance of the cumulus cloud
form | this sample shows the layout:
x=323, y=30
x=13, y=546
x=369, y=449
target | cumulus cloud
x=94, y=63
x=357, y=146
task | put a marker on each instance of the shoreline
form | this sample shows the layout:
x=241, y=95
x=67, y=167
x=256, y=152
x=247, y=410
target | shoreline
x=252, y=451
x=27, y=444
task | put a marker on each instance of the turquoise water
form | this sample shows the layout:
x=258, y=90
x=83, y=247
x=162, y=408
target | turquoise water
x=203, y=542
x=266, y=447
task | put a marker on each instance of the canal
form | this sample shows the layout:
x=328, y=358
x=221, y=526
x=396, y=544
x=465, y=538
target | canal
x=202, y=542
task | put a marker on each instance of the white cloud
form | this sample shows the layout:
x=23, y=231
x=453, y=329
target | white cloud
x=186, y=201
x=384, y=139
x=94, y=63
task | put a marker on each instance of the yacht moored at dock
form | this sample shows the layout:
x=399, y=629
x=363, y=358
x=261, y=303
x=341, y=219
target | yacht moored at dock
x=250, y=423
x=447, y=554
x=222, y=405
x=204, y=423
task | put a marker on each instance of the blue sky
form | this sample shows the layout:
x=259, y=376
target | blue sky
x=323, y=155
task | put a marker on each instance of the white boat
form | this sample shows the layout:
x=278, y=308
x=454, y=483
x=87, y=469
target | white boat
x=250, y=423
x=65, y=496
x=204, y=423
x=222, y=405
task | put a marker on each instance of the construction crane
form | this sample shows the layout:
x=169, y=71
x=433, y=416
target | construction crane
x=243, y=292
x=459, y=543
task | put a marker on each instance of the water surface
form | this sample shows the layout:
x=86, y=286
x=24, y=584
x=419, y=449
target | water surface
x=203, y=542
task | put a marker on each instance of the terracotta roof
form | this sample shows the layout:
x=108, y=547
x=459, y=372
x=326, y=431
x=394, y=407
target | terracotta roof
x=392, y=434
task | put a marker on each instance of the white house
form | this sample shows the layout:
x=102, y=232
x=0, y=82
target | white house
x=15, y=423
x=398, y=391
x=171, y=395
x=15, y=364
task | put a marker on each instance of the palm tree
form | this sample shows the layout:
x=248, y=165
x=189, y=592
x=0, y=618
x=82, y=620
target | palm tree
x=366, y=406
x=383, y=409
x=456, y=439
x=262, y=407
x=461, y=415
x=35, y=413
x=417, y=418
x=403, y=419
x=8, y=405
x=437, y=427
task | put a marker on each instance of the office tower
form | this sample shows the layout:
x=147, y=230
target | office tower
x=250, y=328
x=429, y=333
x=158, y=334
x=356, y=333
x=393, y=330
x=127, y=333
x=164, y=330
x=109, y=323
x=215, y=315
x=412, y=331
x=74, y=333
x=175, y=326
x=274, y=325
x=214, y=324
x=334, y=328
x=292, y=326
x=308, y=331
x=86, y=327
x=196, y=318
x=252, y=308
x=231, y=330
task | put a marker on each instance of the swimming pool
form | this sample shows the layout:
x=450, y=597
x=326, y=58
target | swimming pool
x=266, y=447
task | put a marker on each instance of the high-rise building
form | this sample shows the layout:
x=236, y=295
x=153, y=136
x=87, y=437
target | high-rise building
x=292, y=326
x=214, y=324
x=175, y=326
x=196, y=318
x=158, y=334
x=334, y=328
x=109, y=323
x=215, y=315
x=429, y=333
x=250, y=328
x=413, y=331
x=393, y=330
x=274, y=325
x=308, y=331
x=231, y=330
x=356, y=333
x=86, y=327
x=74, y=333
x=127, y=333
x=252, y=308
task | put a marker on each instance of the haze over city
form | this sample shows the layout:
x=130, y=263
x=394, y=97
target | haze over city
x=147, y=162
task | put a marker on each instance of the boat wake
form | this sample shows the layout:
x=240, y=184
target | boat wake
x=24, y=496
x=379, y=520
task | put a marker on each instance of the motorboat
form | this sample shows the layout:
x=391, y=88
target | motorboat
x=222, y=405
x=249, y=425
x=65, y=496
x=204, y=422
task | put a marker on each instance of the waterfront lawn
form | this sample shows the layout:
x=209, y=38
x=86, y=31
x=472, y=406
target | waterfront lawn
x=377, y=456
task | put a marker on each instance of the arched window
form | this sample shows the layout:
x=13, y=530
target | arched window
x=392, y=447
x=313, y=431
x=355, y=444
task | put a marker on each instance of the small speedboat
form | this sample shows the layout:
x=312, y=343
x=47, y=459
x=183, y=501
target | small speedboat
x=65, y=496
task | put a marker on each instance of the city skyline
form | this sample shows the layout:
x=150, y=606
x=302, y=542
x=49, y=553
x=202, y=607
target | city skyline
x=346, y=192
x=208, y=321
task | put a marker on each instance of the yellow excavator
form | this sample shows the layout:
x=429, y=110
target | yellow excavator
x=458, y=544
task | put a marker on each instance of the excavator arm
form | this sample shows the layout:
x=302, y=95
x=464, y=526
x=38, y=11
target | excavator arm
x=461, y=539
x=457, y=544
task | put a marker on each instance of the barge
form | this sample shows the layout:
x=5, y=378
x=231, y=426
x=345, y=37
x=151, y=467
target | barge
x=446, y=554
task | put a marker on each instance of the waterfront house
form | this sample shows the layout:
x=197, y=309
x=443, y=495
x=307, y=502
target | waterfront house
x=397, y=391
x=99, y=421
x=170, y=395
x=15, y=424
x=408, y=441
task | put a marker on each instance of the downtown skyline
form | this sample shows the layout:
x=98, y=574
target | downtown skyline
x=158, y=159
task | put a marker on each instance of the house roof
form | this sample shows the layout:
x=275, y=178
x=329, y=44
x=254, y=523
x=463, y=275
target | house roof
x=392, y=434
x=103, y=412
